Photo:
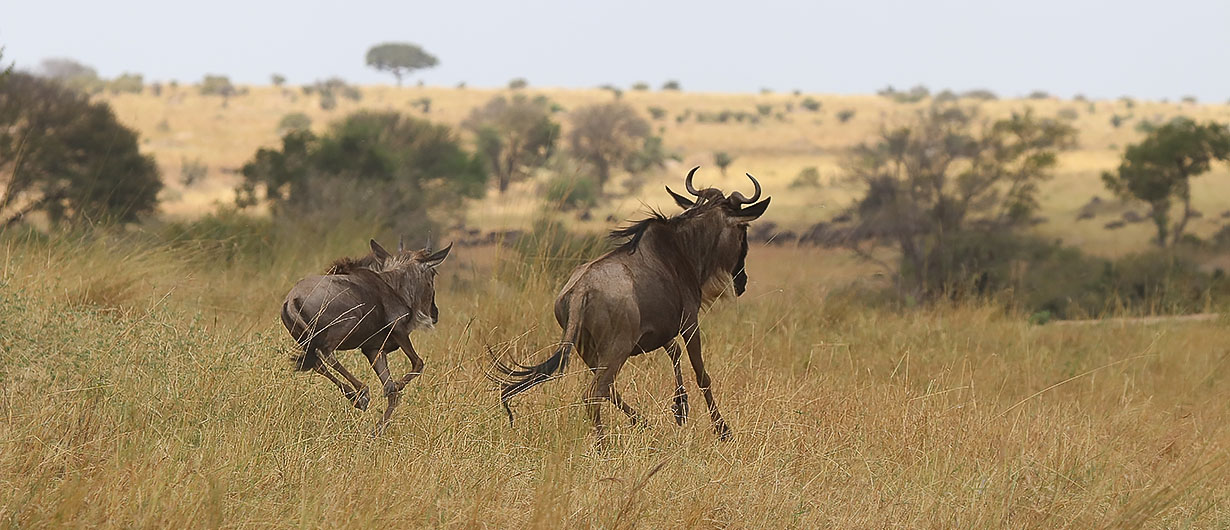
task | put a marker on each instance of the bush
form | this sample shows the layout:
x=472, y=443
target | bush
x=127, y=83
x=809, y=177
x=671, y=85
x=980, y=94
x=518, y=83
x=192, y=171
x=295, y=121
x=217, y=85
x=810, y=104
x=657, y=113
x=78, y=162
x=1039, y=94
x=640, y=86
x=844, y=115
x=572, y=191
x=1068, y=114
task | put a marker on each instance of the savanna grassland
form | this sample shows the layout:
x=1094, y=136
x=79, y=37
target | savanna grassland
x=145, y=380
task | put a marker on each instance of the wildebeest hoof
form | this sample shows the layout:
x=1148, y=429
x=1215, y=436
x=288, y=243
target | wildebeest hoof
x=723, y=431
x=361, y=399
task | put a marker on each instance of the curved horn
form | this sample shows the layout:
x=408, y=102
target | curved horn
x=401, y=243
x=688, y=182
x=739, y=198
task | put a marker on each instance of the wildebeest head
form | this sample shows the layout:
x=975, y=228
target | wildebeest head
x=730, y=215
x=415, y=276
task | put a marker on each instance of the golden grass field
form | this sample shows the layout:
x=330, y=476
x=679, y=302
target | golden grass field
x=147, y=384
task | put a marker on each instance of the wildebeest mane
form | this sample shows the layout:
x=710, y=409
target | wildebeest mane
x=628, y=237
x=348, y=265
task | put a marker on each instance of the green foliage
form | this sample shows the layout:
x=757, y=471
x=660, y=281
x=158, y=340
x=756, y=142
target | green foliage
x=844, y=115
x=652, y=154
x=68, y=157
x=931, y=181
x=945, y=96
x=640, y=86
x=657, y=113
x=399, y=58
x=383, y=164
x=764, y=109
x=1116, y=121
x=127, y=83
x=811, y=104
x=518, y=83
x=572, y=191
x=294, y=121
x=217, y=85
x=1048, y=280
x=722, y=160
x=1039, y=94
x=1158, y=170
x=809, y=177
x=1189, y=99
x=278, y=80
x=514, y=136
x=671, y=85
x=606, y=135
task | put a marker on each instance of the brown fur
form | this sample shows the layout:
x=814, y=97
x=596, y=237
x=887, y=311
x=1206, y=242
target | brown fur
x=642, y=295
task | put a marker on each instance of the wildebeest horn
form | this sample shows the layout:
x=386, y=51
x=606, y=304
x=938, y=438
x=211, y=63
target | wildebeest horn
x=740, y=199
x=401, y=243
x=688, y=182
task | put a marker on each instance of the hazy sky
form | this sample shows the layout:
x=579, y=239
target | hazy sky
x=1100, y=48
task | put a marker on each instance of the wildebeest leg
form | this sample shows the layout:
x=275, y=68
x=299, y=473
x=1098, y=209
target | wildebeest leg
x=392, y=392
x=347, y=390
x=680, y=406
x=600, y=390
x=361, y=398
x=633, y=415
x=702, y=380
x=416, y=363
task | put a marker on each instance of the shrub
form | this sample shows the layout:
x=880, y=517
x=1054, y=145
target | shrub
x=810, y=104
x=217, y=85
x=657, y=113
x=1068, y=114
x=295, y=121
x=764, y=109
x=518, y=83
x=980, y=94
x=671, y=85
x=192, y=171
x=844, y=115
x=572, y=191
x=809, y=177
x=1039, y=94
x=127, y=83
x=640, y=86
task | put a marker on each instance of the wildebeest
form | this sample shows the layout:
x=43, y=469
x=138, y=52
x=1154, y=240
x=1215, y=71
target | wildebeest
x=640, y=296
x=371, y=304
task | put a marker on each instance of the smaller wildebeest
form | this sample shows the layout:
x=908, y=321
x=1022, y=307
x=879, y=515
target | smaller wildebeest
x=645, y=293
x=371, y=304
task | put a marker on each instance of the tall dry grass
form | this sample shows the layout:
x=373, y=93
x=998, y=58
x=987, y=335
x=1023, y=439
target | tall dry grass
x=148, y=385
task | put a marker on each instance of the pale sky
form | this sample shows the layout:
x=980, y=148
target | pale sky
x=1103, y=48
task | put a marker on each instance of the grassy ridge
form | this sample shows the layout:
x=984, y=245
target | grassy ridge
x=147, y=384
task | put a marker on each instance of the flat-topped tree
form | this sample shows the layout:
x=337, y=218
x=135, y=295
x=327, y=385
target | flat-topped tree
x=399, y=58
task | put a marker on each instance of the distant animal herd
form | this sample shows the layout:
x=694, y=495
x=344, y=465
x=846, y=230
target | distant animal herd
x=637, y=298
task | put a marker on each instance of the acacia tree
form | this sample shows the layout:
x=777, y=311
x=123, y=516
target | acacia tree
x=68, y=157
x=607, y=135
x=1159, y=169
x=399, y=58
x=515, y=136
x=947, y=174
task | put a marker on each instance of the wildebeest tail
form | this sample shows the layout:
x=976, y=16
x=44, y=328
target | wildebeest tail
x=519, y=378
x=308, y=358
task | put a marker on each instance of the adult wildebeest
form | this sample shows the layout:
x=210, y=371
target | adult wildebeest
x=372, y=304
x=640, y=296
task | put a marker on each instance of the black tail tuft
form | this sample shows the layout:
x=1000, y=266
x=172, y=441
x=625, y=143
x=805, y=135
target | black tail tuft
x=518, y=378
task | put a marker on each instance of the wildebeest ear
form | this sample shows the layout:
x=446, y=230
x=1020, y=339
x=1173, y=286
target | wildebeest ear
x=682, y=201
x=750, y=213
x=379, y=251
x=437, y=258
